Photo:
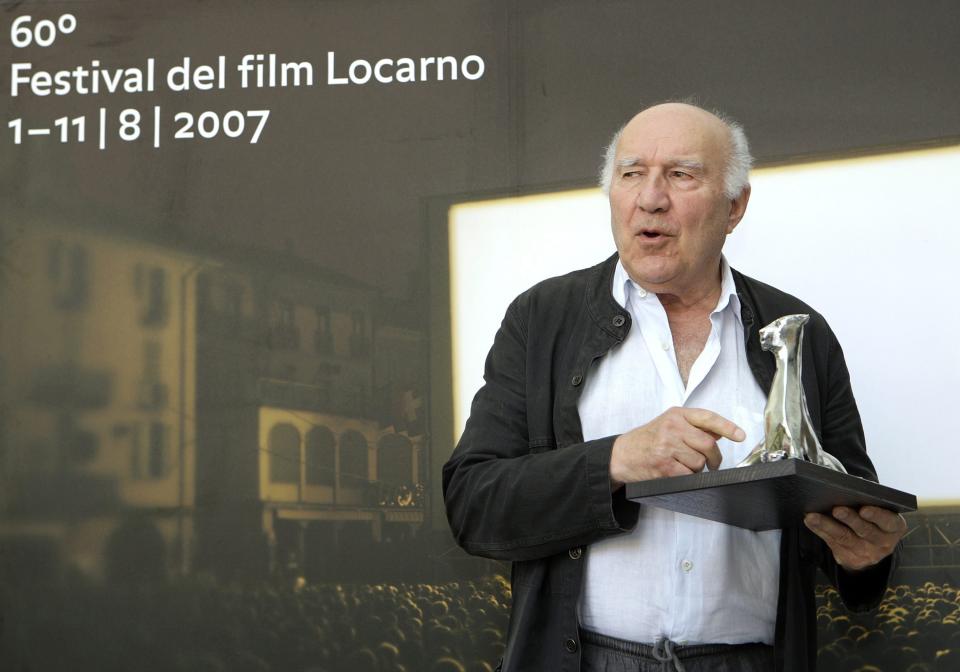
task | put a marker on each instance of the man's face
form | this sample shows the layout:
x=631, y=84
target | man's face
x=668, y=210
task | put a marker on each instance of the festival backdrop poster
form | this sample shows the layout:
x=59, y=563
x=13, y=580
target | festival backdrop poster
x=226, y=336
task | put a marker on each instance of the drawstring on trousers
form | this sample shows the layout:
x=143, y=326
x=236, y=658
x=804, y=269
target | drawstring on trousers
x=667, y=655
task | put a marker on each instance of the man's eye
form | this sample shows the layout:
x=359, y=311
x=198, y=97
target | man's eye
x=679, y=174
x=632, y=173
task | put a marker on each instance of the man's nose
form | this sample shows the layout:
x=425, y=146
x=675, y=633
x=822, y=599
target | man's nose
x=652, y=196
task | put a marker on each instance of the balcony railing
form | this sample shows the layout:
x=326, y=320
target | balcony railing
x=306, y=397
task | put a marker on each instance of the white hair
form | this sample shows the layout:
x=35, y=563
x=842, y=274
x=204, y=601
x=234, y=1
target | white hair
x=736, y=174
x=609, y=161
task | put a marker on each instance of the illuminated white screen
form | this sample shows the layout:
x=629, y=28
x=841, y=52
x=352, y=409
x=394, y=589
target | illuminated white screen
x=872, y=243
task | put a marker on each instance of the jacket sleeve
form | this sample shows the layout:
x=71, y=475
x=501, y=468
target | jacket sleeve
x=843, y=437
x=510, y=500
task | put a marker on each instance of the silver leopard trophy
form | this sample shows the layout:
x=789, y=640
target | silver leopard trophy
x=788, y=431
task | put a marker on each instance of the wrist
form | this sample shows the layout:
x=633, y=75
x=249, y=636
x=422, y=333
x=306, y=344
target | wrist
x=617, y=477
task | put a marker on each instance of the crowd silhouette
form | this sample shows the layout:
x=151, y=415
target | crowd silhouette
x=200, y=625
x=915, y=629
x=197, y=624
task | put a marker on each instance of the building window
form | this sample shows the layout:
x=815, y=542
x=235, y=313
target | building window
x=77, y=446
x=157, y=456
x=150, y=284
x=151, y=360
x=320, y=456
x=285, y=335
x=151, y=451
x=354, y=460
x=323, y=336
x=359, y=339
x=352, y=398
x=153, y=393
x=68, y=269
x=284, y=446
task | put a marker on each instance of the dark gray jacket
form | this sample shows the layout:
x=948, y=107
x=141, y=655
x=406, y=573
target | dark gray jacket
x=523, y=485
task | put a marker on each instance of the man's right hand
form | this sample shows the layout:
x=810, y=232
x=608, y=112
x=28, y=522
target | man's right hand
x=680, y=441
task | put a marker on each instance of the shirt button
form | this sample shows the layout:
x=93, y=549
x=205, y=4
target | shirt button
x=641, y=292
x=576, y=380
x=570, y=645
x=575, y=553
x=686, y=565
x=665, y=346
x=619, y=320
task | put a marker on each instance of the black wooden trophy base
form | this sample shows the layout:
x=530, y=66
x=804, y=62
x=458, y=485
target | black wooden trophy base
x=766, y=496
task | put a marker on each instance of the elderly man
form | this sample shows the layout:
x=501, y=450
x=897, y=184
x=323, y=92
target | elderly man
x=644, y=366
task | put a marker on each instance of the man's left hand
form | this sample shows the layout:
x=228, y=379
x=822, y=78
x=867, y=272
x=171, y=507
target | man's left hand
x=858, y=539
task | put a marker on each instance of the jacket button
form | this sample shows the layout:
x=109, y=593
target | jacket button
x=619, y=320
x=576, y=380
x=575, y=553
x=570, y=645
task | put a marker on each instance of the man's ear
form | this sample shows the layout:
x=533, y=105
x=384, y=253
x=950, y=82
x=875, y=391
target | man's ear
x=738, y=206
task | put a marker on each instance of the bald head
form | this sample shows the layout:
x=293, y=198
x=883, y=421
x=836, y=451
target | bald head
x=672, y=199
x=712, y=131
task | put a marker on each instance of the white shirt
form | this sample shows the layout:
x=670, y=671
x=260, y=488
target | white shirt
x=685, y=578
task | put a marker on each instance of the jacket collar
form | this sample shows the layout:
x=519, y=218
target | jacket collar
x=614, y=320
x=762, y=363
x=623, y=286
x=603, y=308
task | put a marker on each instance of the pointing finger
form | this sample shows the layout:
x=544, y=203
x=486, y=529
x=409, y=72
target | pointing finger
x=713, y=423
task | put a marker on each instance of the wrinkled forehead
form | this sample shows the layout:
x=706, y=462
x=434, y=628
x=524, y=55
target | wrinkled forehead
x=675, y=132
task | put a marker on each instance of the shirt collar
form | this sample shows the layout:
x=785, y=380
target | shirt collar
x=728, y=291
x=621, y=283
x=624, y=287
